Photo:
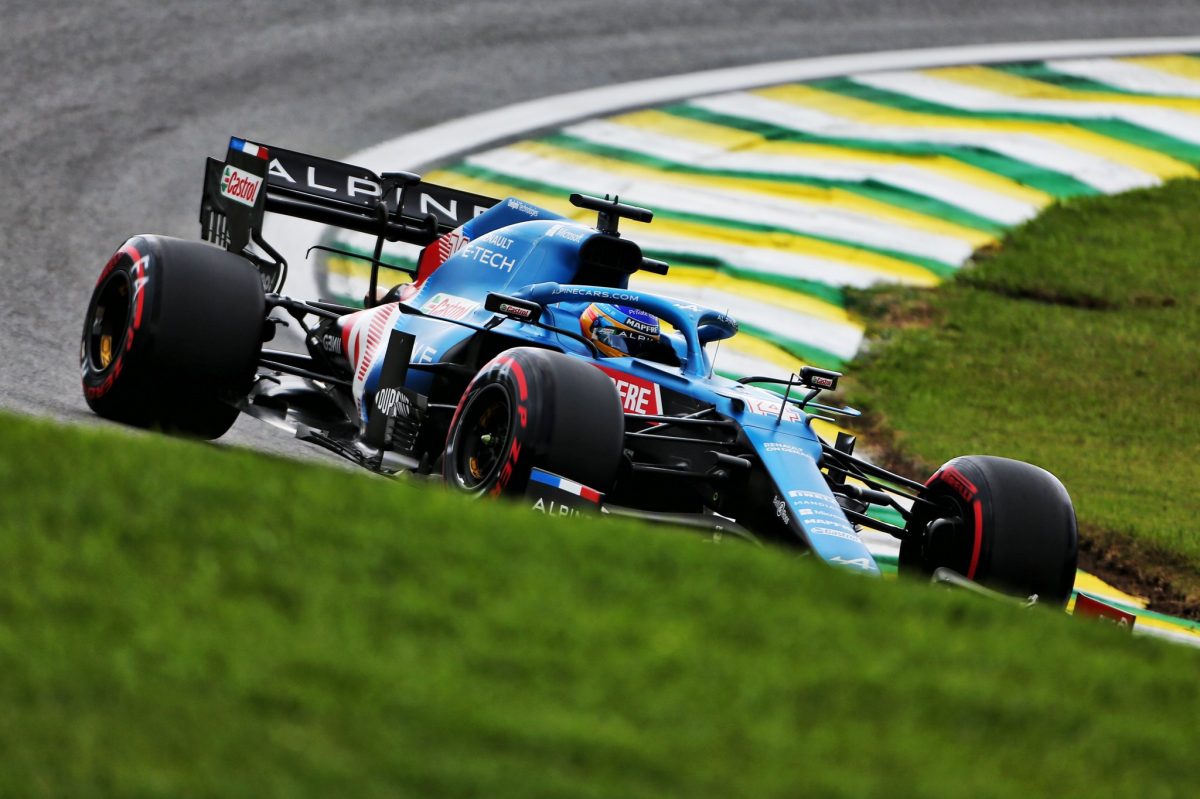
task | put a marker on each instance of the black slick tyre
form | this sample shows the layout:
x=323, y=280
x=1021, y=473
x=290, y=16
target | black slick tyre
x=532, y=408
x=172, y=334
x=1003, y=523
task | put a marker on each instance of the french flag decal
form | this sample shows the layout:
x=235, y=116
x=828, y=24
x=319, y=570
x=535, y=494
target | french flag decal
x=249, y=148
x=563, y=484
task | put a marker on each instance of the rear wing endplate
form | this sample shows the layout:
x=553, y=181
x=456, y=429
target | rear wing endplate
x=392, y=206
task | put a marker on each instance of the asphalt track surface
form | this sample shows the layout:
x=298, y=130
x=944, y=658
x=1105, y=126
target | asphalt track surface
x=109, y=108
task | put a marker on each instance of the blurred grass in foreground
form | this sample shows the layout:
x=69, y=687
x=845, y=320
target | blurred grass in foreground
x=178, y=619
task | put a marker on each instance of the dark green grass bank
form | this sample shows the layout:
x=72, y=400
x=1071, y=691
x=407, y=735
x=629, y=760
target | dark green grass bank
x=181, y=620
x=1074, y=346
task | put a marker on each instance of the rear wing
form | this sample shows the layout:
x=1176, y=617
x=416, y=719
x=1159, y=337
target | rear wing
x=392, y=206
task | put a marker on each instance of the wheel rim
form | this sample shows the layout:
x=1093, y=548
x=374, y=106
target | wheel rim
x=484, y=437
x=108, y=322
x=944, y=534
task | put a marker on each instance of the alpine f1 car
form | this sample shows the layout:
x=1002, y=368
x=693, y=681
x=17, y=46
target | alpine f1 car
x=518, y=362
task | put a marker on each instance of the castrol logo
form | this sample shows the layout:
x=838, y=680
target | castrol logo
x=240, y=186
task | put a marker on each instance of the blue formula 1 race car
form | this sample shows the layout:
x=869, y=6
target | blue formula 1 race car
x=518, y=362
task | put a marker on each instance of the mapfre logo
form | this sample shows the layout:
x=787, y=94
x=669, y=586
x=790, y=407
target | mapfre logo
x=240, y=186
x=638, y=396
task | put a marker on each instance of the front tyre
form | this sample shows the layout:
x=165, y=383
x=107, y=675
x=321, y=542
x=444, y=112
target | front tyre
x=1000, y=522
x=172, y=335
x=532, y=408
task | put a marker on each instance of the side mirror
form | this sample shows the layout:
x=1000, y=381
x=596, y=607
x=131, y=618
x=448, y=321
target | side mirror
x=513, y=308
x=820, y=379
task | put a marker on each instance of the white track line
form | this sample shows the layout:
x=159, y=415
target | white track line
x=1131, y=77
x=421, y=148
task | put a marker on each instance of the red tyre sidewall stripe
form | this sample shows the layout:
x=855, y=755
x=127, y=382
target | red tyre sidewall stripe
x=977, y=507
x=499, y=362
x=514, y=451
x=141, y=293
x=518, y=373
x=108, y=267
x=135, y=322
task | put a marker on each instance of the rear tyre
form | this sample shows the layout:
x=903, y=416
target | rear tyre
x=172, y=335
x=532, y=408
x=1003, y=523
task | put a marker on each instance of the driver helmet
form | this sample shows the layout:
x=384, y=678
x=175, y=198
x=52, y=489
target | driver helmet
x=619, y=330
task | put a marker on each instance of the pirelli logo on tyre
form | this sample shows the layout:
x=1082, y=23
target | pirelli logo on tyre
x=239, y=185
x=958, y=481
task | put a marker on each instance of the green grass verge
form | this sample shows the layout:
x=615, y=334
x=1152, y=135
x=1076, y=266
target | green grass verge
x=181, y=620
x=1073, y=346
